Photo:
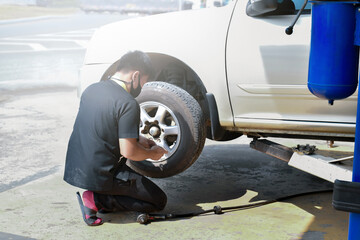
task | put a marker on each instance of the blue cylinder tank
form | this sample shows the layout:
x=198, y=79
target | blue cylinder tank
x=334, y=59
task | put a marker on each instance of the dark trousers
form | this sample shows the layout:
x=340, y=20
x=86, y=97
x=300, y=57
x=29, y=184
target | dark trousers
x=137, y=194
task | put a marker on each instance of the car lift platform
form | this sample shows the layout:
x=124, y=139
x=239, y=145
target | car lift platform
x=325, y=167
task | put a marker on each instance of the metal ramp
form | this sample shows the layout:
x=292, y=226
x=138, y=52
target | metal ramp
x=325, y=167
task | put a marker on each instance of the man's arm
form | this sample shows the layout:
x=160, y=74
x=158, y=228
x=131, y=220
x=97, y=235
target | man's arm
x=132, y=149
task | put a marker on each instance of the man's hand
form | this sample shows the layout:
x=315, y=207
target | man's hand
x=139, y=150
x=157, y=152
x=146, y=143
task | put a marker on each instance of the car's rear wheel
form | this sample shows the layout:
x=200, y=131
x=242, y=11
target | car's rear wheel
x=174, y=120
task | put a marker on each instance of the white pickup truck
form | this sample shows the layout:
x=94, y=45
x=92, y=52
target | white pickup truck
x=221, y=73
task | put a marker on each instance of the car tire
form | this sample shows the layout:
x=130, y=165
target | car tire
x=174, y=120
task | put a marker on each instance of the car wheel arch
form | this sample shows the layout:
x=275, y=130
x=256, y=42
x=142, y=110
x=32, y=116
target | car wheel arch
x=174, y=71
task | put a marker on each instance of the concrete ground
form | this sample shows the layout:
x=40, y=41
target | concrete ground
x=37, y=204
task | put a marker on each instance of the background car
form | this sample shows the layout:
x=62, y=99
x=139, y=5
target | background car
x=221, y=73
x=135, y=6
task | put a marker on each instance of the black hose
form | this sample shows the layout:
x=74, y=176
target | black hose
x=147, y=218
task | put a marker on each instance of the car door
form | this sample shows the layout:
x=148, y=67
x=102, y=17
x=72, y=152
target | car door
x=267, y=74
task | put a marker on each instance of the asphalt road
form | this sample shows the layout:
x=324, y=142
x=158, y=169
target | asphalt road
x=46, y=51
x=55, y=24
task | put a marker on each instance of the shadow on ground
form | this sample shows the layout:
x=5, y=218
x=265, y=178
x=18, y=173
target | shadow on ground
x=229, y=172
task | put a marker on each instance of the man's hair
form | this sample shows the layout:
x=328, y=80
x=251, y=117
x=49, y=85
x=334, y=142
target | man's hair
x=136, y=61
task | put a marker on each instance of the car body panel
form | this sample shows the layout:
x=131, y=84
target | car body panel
x=267, y=77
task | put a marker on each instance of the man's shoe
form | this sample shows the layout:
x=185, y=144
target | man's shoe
x=89, y=209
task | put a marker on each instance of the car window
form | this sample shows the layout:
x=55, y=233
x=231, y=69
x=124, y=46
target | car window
x=299, y=3
x=290, y=7
x=275, y=7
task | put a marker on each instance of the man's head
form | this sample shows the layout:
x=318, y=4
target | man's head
x=135, y=69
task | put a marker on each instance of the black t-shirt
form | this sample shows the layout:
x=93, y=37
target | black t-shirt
x=106, y=113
